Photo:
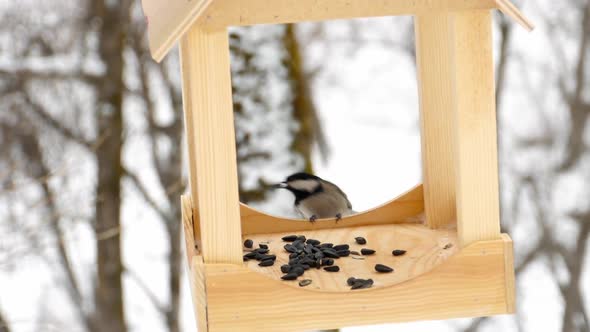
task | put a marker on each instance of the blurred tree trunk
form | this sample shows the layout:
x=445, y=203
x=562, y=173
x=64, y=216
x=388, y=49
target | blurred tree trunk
x=109, y=115
x=304, y=110
x=4, y=327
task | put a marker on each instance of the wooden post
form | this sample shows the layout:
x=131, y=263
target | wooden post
x=208, y=110
x=433, y=59
x=475, y=127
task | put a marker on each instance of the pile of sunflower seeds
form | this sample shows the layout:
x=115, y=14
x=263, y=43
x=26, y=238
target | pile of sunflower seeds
x=305, y=254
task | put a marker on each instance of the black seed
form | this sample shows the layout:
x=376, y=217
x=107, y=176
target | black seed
x=306, y=260
x=315, y=249
x=301, y=238
x=318, y=255
x=350, y=281
x=248, y=243
x=298, y=245
x=341, y=247
x=250, y=255
x=360, y=240
x=245, y=259
x=362, y=284
x=289, y=238
x=261, y=251
x=355, y=253
x=298, y=270
x=326, y=245
x=330, y=253
x=313, y=242
x=367, y=251
x=327, y=262
x=343, y=253
x=294, y=261
x=307, y=249
x=285, y=268
x=383, y=268
x=293, y=255
x=265, y=257
x=305, y=282
x=267, y=262
x=263, y=246
x=334, y=268
x=398, y=252
x=305, y=267
x=318, y=264
x=290, y=276
x=290, y=248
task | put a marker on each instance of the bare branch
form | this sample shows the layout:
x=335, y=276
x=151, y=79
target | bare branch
x=38, y=110
x=146, y=196
x=159, y=306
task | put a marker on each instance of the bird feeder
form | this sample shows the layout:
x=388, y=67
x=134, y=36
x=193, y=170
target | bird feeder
x=458, y=264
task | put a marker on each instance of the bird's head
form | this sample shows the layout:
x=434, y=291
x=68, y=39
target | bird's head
x=303, y=183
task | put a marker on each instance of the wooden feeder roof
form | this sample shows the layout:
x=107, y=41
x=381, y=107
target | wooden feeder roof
x=169, y=20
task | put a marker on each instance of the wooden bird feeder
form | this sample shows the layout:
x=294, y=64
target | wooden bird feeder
x=458, y=264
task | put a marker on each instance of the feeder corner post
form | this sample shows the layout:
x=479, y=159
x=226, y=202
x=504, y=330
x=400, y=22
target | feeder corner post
x=209, y=123
x=476, y=152
x=433, y=62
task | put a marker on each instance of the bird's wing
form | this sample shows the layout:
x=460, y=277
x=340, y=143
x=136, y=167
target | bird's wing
x=336, y=188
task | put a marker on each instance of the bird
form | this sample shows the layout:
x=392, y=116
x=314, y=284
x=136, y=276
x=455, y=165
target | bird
x=316, y=198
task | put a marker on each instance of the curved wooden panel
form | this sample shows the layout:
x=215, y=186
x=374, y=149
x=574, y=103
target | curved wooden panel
x=473, y=282
x=406, y=208
x=425, y=250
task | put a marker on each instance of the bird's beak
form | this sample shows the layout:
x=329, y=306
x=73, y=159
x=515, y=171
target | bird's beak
x=280, y=185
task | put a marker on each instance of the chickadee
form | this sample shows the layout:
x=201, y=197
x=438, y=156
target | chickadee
x=317, y=198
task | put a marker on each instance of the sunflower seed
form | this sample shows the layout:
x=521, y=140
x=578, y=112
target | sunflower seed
x=248, y=243
x=367, y=251
x=305, y=282
x=326, y=245
x=298, y=270
x=383, y=268
x=341, y=247
x=261, y=251
x=266, y=257
x=362, y=284
x=285, y=268
x=313, y=242
x=360, y=240
x=301, y=238
x=251, y=255
x=350, y=281
x=263, y=246
x=355, y=253
x=290, y=276
x=334, y=268
x=327, y=262
x=330, y=253
x=343, y=253
x=289, y=238
x=290, y=248
x=398, y=252
x=267, y=262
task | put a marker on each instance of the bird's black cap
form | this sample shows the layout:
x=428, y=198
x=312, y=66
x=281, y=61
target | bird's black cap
x=302, y=176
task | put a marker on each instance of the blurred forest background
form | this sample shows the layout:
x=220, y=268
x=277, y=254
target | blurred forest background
x=91, y=150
